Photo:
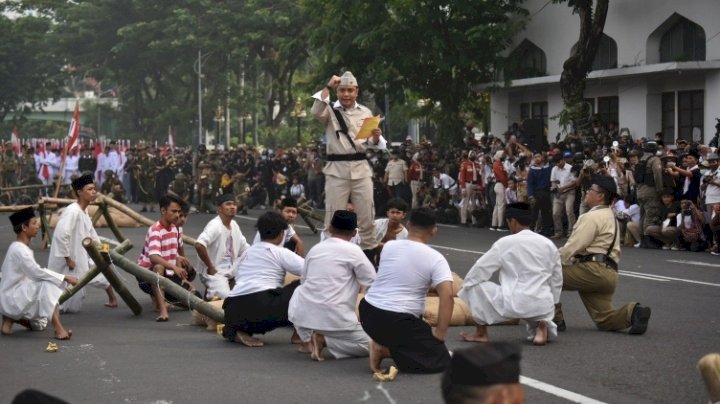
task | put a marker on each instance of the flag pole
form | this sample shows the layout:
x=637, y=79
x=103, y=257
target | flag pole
x=74, y=130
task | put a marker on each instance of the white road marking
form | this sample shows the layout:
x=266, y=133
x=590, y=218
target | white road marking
x=643, y=276
x=557, y=391
x=700, y=263
x=670, y=278
x=442, y=247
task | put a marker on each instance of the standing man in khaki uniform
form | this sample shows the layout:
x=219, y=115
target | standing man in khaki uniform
x=590, y=264
x=348, y=175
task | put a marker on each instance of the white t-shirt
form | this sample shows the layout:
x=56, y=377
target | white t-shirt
x=712, y=193
x=407, y=270
x=215, y=238
x=289, y=233
x=263, y=267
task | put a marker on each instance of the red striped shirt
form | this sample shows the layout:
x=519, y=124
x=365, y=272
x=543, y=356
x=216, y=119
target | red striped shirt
x=160, y=241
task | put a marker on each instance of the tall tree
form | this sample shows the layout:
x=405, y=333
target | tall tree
x=592, y=15
x=30, y=72
x=433, y=49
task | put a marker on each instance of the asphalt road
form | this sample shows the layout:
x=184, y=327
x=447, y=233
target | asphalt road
x=115, y=357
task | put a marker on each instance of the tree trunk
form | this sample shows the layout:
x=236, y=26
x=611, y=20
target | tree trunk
x=579, y=64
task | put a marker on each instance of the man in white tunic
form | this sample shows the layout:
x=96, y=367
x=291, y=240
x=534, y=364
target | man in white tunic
x=29, y=293
x=259, y=303
x=530, y=276
x=218, y=247
x=67, y=255
x=322, y=308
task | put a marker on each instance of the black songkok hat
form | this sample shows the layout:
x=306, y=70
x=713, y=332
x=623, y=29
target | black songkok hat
x=605, y=182
x=79, y=182
x=344, y=220
x=515, y=210
x=22, y=216
x=485, y=365
x=225, y=198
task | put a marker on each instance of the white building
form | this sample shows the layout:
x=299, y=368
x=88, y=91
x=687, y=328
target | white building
x=657, y=69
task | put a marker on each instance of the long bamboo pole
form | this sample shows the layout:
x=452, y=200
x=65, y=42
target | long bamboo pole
x=117, y=284
x=192, y=301
x=110, y=221
x=122, y=248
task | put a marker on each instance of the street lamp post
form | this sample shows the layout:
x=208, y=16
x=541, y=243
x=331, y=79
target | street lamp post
x=219, y=120
x=298, y=113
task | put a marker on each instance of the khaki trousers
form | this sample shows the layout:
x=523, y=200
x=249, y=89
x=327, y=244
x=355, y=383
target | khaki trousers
x=340, y=191
x=564, y=204
x=595, y=283
x=468, y=203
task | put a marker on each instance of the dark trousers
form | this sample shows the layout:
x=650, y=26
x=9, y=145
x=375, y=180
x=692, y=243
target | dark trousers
x=542, y=206
x=258, y=313
x=409, y=339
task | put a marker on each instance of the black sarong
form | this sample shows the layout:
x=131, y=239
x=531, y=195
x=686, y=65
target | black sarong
x=259, y=312
x=409, y=339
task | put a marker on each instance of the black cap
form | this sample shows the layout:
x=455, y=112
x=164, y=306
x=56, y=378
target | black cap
x=516, y=210
x=79, y=182
x=605, y=182
x=22, y=216
x=344, y=220
x=225, y=198
x=484, y=365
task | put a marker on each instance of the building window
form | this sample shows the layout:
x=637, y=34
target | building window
x=607, y=109
x=684, y=41
x=527, y=60
x=540, y=111
x=524, y=111
x=691, y=114
x=668, y=117
x=606, y=56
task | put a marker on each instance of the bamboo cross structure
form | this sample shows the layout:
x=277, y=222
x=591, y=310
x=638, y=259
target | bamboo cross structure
x=153, y=278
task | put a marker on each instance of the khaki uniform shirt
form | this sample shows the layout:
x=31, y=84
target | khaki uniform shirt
x=354, y=117
x=592, y=234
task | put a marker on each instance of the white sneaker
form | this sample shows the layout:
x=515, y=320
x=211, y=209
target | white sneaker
x=502, y=229
x=636, y=245
x=666, y=247
x=492, y=228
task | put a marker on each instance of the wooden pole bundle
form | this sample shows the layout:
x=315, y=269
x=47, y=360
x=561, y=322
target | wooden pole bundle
x=104, y=266
x=148, y=276
x=122, y=248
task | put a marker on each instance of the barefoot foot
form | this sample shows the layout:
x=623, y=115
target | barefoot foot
x=247, y=340
x=295, y=339
x=7, y=325
x=377, y=354
x=305, y=347
x=63, y=335
x=474, y=337
x=318, y=344
x=111, y=305
x=541, y=333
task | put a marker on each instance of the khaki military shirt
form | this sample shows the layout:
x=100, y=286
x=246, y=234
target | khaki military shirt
x=592, y=234
x=354, y=117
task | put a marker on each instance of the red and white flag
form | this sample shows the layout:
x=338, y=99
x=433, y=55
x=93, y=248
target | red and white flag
x=73, y=131
x=15, y=139
x=171, y=139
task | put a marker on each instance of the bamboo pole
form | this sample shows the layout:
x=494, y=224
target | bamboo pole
x=16, y=208
x=34, y=186
x=138, y=217
x=110, y=221
x=146, y=275
x=112, y=277
x=45, y=240
x=96, y=216
x=94, y=270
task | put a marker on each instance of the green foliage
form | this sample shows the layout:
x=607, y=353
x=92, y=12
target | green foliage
x=147, y=51
x=30, y=72
x=434, y=49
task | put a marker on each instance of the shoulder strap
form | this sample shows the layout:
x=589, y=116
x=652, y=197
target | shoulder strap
x=615, y=232
x=343, y=127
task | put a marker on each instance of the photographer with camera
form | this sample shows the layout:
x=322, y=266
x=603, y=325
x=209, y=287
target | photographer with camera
x=689, y=177
x=690, y=224
x=538, y=191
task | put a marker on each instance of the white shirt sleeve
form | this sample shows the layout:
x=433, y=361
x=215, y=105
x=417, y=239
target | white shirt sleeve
x=290, y=261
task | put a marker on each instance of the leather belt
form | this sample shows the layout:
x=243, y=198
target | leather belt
x=601, y=258
x=346, y=157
